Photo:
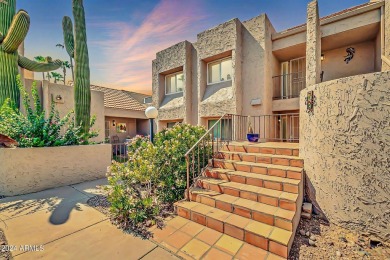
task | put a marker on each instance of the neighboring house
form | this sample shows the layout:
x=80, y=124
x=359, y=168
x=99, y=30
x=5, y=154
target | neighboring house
x=248, y=68
x=124, y=114
x=119, y=114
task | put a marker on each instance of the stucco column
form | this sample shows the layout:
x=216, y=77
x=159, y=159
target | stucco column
x=386, y=66
x=313, y=45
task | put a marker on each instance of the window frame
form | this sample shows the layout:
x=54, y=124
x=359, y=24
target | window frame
x=220, y=70
x=171, y=75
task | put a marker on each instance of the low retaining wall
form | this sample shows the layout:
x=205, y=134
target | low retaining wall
x=346, y=148
x=26, y=170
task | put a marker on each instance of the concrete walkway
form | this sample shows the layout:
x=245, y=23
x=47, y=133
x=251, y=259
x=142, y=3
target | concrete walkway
x=58, y=224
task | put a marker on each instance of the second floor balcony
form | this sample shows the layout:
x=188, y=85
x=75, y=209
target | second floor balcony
x=288, y=85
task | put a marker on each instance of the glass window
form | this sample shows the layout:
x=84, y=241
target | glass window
x=220, y=71
x=222, y=130
x=174, y=83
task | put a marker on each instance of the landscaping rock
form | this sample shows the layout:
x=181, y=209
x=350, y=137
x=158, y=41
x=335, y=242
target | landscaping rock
x=338, y=254
x=307, y=207
x=308, y=234
x=312, y=243
x=313, y=238
x=306, y=215
x=302, y=232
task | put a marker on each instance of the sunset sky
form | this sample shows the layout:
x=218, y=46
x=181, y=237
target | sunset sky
x=124, y=35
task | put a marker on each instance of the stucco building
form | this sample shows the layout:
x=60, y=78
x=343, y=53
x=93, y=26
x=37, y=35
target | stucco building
x=248, y=68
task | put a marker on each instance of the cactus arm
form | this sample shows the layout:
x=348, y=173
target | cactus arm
x=67, y=28
x=82, y=73
x=38, y=66
x=17, y=32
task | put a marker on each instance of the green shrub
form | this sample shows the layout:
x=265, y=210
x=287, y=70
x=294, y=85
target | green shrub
x=34, y=129
x=154, y=177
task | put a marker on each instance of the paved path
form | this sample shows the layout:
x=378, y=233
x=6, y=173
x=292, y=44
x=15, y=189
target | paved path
x=58, y=224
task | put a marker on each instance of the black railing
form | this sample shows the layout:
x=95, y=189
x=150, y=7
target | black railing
x=288, y=85
x=119, y=152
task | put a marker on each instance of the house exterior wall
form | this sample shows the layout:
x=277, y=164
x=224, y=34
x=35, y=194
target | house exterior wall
x=257, y=51
x=345, y=146
x=48, y=92
x=218, y=99
x=363, y=61
x=178, y=105
x=131, y=128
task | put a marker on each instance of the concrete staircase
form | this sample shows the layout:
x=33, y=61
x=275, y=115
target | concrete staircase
x=253, y=192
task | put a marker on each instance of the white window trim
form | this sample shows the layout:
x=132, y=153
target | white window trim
x=218, y=61
x=170, y=75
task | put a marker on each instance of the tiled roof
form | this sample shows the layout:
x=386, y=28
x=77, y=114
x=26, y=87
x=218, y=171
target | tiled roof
x=332, y=15
x=120, y=99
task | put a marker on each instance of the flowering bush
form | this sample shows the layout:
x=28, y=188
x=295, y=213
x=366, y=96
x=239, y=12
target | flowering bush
x=143, y=188
x=33, y=129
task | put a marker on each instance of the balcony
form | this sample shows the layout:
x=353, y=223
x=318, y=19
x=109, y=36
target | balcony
x=288, y=85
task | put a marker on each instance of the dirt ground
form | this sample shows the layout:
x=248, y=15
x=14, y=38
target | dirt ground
x=4, y=253
x=334, y=242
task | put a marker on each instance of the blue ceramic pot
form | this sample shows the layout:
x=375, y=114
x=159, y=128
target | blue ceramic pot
x=252, y=137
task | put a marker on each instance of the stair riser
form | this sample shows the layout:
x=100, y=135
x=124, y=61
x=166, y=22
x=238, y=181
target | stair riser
x=245, y=212
x=261, y=159
x=257, y=169
x=273, y=201
x=251, y=181
x=264, y=150
x=231, y=230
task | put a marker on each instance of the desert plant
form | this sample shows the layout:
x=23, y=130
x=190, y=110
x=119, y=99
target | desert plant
x=76, y=46
x=154, y=176
x=56, y=76
x=13, y=30
x=34, y=129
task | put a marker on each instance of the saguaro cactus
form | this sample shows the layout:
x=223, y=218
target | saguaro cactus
x=76, y=46
x=13, y=29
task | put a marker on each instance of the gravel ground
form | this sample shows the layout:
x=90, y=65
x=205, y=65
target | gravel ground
x=4, y=253
x=334, y=242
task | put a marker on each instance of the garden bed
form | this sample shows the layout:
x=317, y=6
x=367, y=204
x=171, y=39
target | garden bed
x=26, y=170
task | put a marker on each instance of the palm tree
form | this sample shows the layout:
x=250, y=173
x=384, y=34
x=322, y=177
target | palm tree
x=65, y=65
x=59, y=45
x=41, y=59
x=56, y=76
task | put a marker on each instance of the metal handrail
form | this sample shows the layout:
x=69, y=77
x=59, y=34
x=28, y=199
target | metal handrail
x=274, y=127
x=209, y=133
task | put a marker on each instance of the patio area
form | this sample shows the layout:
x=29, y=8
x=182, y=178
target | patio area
x=58, y=224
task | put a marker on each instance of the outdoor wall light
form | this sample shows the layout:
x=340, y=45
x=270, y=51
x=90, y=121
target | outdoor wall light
x=151, y=113
x=322, y=57
x=58, y=98
x=113, y=123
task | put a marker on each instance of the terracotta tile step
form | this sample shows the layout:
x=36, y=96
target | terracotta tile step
x=254, y=179
x=282, y=199
x=278, y=148
x=285, y=160
x=276, y=240
x=248, y=208
x=260, y=168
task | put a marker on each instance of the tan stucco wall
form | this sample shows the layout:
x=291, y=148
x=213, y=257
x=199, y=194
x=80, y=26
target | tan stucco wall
x=363, y=61
x=385, y=66
x=48, y=92
x=26, y=170
x=313, y=45
x=212, y=44
x=345, y=145
x=131, y=127
x=173, y=59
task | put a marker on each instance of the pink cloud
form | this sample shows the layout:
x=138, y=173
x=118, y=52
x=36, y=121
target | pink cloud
x=130, y=50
